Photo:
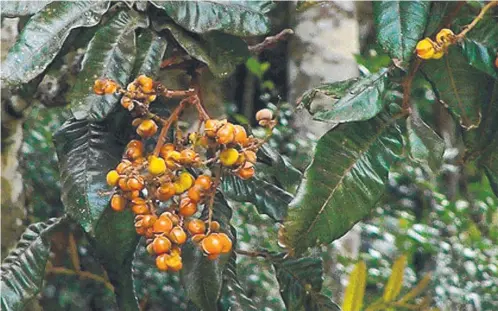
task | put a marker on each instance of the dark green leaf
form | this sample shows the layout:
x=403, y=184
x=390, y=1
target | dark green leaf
x=489, y=162
x=425, y=145
x=21, y=8
x=400, y=25
x=344, y=181
x=203, y=278
x=347, y=101
x=110, y=54
x=23, y=270
x=220, y=52
x=239, y=18
x=86, y=152
x=268, y=198
x=481, y=45
x=43, y=36
x=285, y=173
x=115, y=242
x=235, y=297
x=150, y=51
x=439, y=10
x=300, y=281
x=461, y=87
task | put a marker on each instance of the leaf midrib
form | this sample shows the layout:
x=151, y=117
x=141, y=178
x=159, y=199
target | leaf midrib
x=346, y=172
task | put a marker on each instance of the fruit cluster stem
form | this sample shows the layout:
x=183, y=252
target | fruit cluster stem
x=164, y=131
x=480, y=16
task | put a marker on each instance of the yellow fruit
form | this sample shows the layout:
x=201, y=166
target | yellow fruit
x=157, y=166
x=264, y=114
x=174, y=262
x=147, y=128
x=226, y=134
x=445, y=36
x=425, y=48
x=229, y=156
x=112, y=178
x=186, y=181
x=438, y=55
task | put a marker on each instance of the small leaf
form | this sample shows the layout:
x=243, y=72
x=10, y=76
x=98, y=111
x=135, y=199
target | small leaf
x=220, y=52
x=347, y=101
x=43, y=37
x=417, y=290
x=268, y=198
x=285, y=173
x=355, y=291
x=344, y=181
x=23, y=270
x=400, y=25
x=425, y=145
x=21, y=8
x=111, y=54
x=239, y=18
x=150, y=51
x=235, y=297
x=203, y=278
x=86, y=152
x=461, y=87
x=395, y=282
x=300, y=283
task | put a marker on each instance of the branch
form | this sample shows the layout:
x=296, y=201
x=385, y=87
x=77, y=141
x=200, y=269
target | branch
x=271, y=41
x=81, y=274
x=476, y=19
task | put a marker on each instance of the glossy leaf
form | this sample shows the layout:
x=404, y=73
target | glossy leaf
x=438, y=11
x=203, y=278
x=220, y=52
x=150, y=51
x=400, y=25
x=480, y=47
x=459, y=86
x=111, y=54
x=235, y=297
x=23, y=270
x=355, y=291
x=395, y=282
x=21, y=8
x=43, y=37
x=351, y=100
x=268, y=198
x=115, y=242
x=344, y=181
x=300, y=281
x=239, y=18
x=279, y=167
x=86, y=152
x=425, y=145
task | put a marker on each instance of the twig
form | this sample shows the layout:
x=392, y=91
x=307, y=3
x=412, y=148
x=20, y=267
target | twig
x=271, y=41
x=73, y=252
x=164, y=131
x=81, y=274
x=213, y=194
x=407, y=85
x=252, y=253
x=469, y=27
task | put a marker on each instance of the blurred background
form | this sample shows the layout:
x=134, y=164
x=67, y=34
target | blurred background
x=447, y=226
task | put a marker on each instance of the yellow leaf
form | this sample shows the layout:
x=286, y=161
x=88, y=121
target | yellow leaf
x=353, y=297
x=414, y=292
x=395, y=281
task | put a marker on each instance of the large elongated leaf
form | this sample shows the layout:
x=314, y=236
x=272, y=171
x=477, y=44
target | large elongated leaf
x=21, y=8
x=150, y=51
x=23, y=269
x=399, y=25
x=481, y=45
x=347, y=101
x=300, y=283
x=220, y=52
x=461, y=87
x=111, y=53
x=240, y=18
x=43, y=37
x=268, y=198
x=344, y=181
x=425, y=145
x=86, y=152
x=235, y=298
x=203, y=278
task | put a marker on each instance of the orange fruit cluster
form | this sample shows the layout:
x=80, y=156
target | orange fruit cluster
x=163, y=189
